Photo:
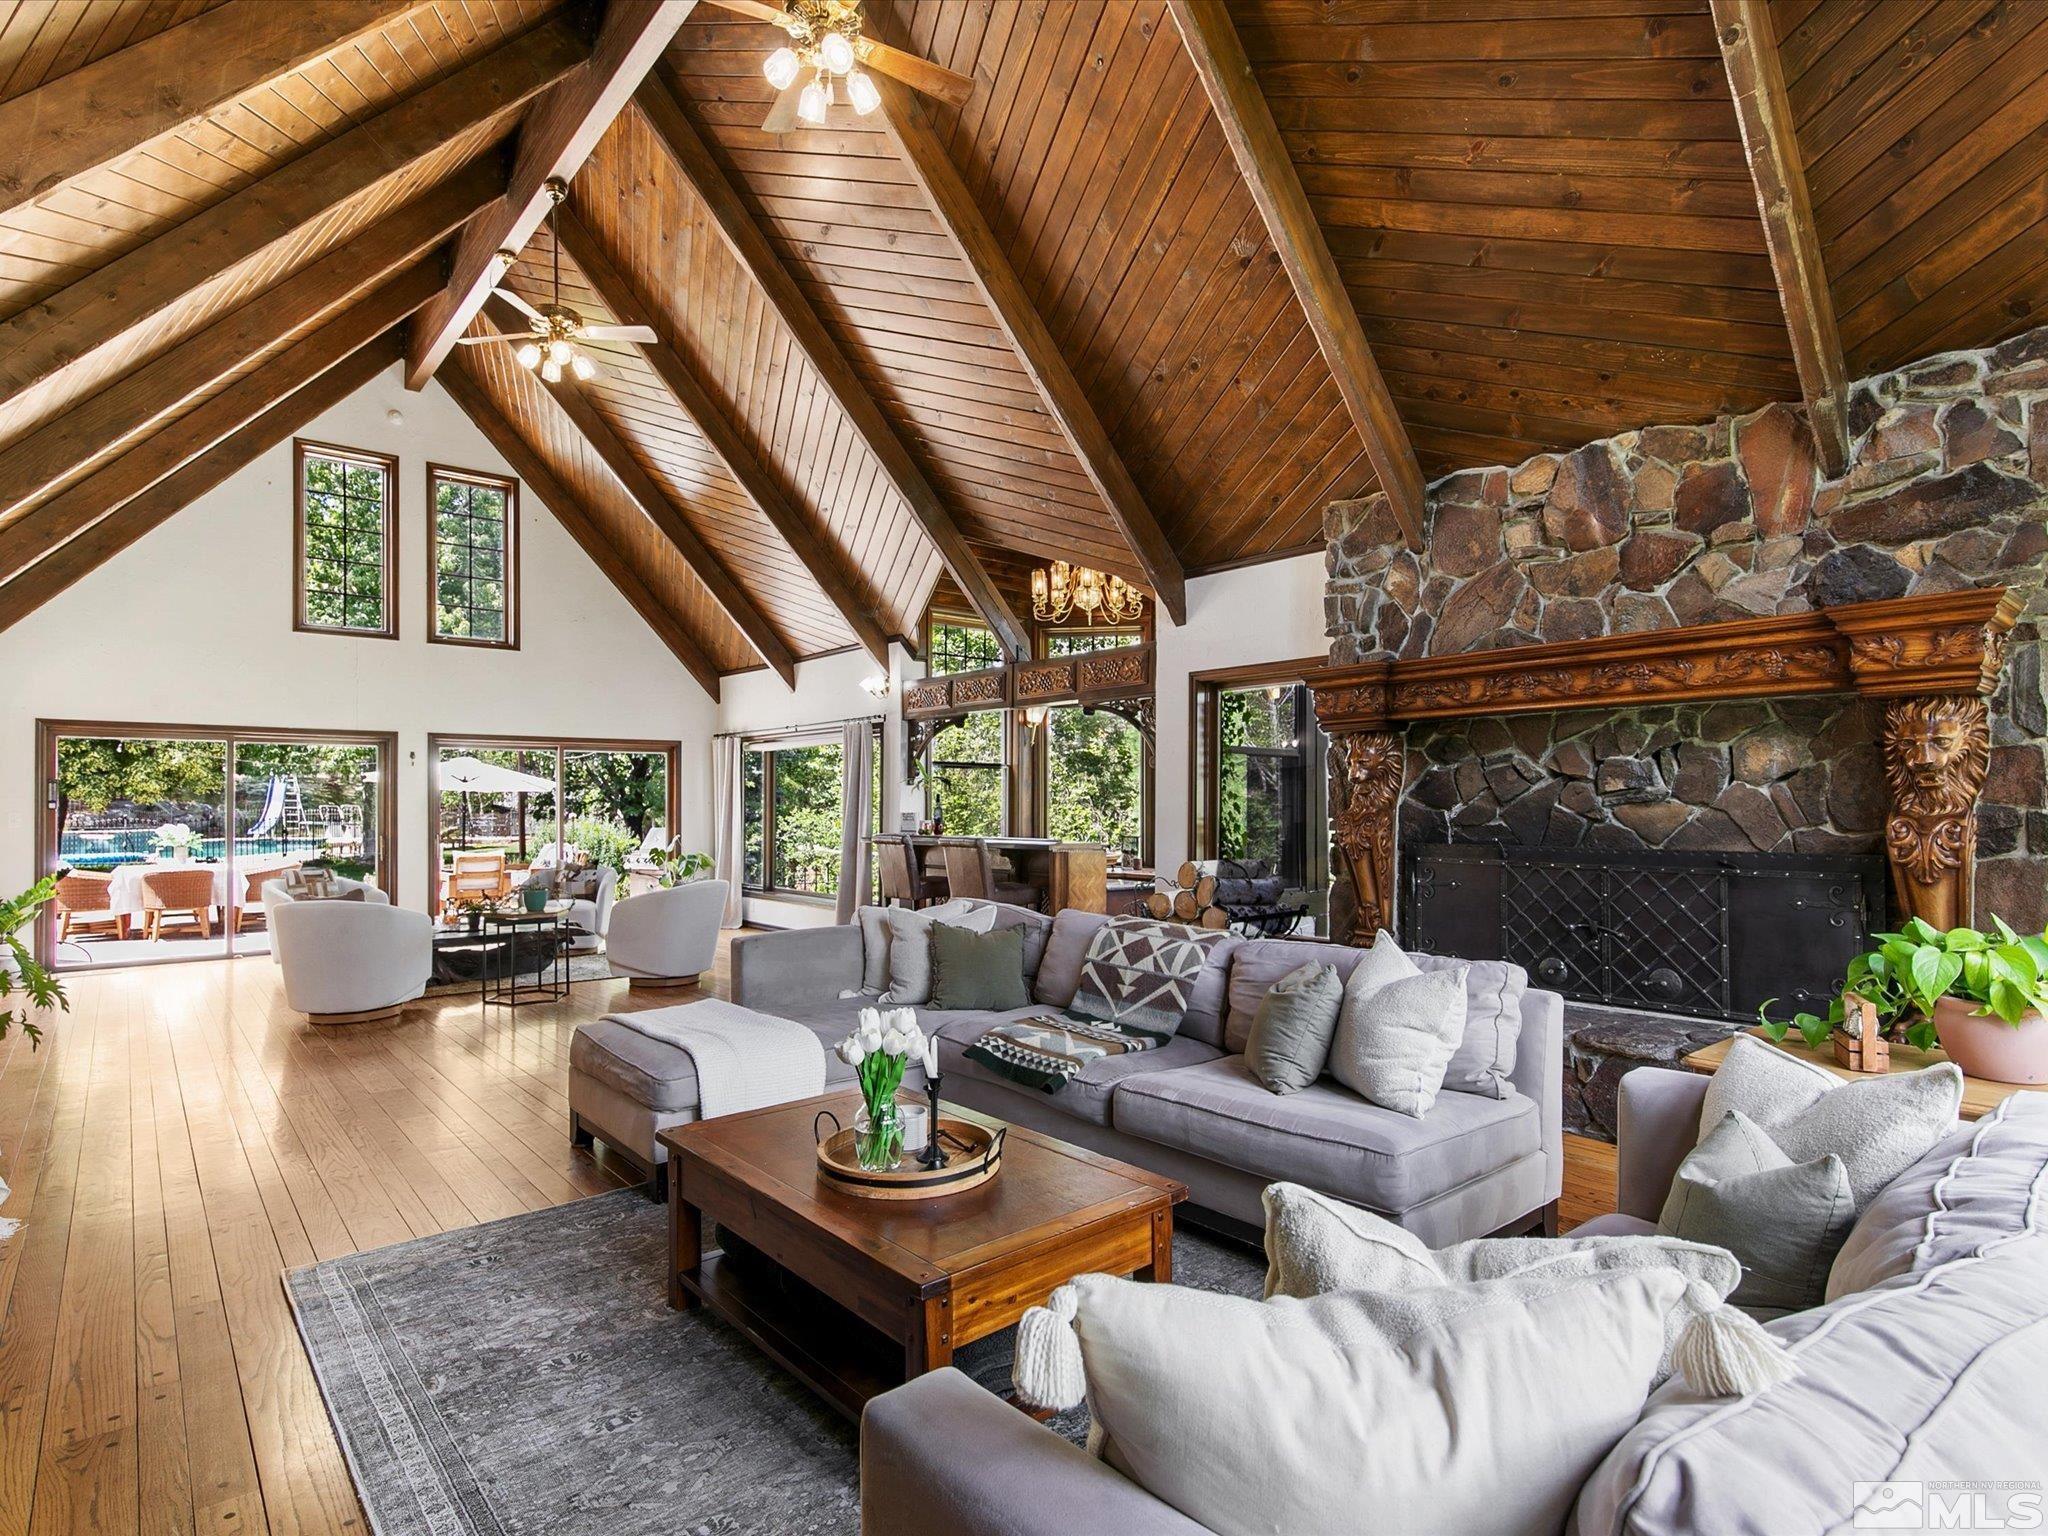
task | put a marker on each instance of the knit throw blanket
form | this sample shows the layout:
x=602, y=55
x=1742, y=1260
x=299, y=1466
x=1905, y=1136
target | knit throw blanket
x=1137, y=981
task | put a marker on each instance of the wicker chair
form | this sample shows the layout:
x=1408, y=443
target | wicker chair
x=251, y=907
x=84, y=905
x=179, y=893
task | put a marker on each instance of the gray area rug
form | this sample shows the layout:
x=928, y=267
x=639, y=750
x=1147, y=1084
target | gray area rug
x=527, y=1377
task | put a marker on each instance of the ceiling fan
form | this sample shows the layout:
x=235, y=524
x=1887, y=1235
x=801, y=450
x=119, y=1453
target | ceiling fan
x=555, y=331
x=828, y=48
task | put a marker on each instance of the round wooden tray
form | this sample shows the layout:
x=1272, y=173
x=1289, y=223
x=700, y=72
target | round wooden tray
x=974, y=1155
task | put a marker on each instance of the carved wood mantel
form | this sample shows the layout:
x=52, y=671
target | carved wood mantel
x=1934, y=659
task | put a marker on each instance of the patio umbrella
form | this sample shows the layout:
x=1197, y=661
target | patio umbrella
x=469, y=775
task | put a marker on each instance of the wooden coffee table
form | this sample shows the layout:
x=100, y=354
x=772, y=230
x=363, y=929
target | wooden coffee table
x=855, y=1296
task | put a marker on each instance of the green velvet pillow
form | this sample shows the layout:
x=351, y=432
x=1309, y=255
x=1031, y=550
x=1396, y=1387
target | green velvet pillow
x=1297, y=1018
x=978, y=970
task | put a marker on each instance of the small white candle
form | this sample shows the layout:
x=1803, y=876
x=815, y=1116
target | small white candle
x=916, y=1131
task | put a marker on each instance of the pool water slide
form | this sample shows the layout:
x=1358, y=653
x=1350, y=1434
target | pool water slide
x=273, y=808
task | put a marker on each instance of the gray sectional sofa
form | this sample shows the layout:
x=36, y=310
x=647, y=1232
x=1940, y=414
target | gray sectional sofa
x=1923, y=1380
x=1472, y=1166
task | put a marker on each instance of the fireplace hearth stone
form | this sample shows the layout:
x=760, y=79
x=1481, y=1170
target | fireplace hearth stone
x=1603, y=1045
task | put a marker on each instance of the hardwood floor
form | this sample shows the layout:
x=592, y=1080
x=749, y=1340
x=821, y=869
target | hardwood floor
x=181, y=1139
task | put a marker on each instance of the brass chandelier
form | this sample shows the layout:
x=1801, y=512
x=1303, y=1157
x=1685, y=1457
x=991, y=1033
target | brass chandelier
x=1062, y=590
x=826, y=41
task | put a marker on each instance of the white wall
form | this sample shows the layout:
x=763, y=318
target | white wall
x=1261, y=613
x=827, y=689
x=193, y=625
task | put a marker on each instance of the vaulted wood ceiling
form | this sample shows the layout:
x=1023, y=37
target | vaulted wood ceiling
x=1090, y=311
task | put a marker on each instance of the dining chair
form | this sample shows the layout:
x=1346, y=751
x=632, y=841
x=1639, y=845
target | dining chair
x=251, y=905
x=177, y=893
x=902, y=879
x=85, y=905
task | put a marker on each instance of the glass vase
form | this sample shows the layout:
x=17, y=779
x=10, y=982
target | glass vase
x=878, y=1137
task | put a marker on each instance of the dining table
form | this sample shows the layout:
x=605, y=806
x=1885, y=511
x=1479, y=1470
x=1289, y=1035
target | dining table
x=124, y=897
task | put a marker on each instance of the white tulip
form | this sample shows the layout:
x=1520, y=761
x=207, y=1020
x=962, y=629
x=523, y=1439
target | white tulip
x=868, y=1020
x=894, y=1044
x=906, y=1019
x=851, y=1053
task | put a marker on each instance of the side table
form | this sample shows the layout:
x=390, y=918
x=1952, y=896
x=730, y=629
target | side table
x=502, y=986
x=1980, y=1094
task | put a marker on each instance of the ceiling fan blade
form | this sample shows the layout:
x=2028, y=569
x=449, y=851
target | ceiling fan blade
x=782, y=116
x=517, y=303
x=617, y=333
x=485, y=341
x=920, y=74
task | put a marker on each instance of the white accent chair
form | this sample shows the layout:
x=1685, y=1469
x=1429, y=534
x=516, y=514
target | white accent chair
x=276, y=895
x=667, y=938
x=590, y=913
x=347, y=962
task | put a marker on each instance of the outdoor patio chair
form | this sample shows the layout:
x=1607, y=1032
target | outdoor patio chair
x=481, y=872
x=84, y=905
x=177, y=893
x=251, y=907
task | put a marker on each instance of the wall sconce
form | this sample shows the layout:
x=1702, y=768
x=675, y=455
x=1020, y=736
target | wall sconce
x=1035, y=715
x=876, y=686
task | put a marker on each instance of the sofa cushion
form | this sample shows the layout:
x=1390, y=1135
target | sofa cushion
x=1935, y=1374
x=1396, y=1031
x=1086, y=1097
x=1971, y=1189
x=1066, y=948
x=1493, y=1004
x=978, y=970
x=1325, y=1136
x=661, y=1076
x=1290, y=1039
x=910, y=947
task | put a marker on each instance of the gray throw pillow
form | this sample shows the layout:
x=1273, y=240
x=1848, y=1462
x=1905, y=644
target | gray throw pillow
x=1291, y=1034
x=874, y=949
x=1394, y=1038
x=1783, y=1221
x=910, y=946
x=978, y=970
x=1878, y=1126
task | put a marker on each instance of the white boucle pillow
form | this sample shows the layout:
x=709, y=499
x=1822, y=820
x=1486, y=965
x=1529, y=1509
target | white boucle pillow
x=1397, y=1029
x=1439, y=1412
x=910, y=946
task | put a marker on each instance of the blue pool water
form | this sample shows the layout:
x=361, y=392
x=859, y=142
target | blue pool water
x=131, y=845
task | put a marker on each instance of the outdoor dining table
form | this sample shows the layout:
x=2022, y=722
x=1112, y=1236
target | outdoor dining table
x=124, y=898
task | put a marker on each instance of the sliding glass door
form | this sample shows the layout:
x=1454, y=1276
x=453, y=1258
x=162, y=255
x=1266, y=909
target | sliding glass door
x=512, y=802
x=162, y=837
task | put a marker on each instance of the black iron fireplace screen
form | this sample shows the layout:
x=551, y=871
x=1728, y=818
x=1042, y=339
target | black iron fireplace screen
x=1709, y=935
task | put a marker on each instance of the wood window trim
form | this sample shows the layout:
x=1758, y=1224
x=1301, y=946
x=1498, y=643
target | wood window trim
x=509, y=484
x=1007, y=765
x=958, y=619
x=437, y=742
x=50, y=732
x=1205, y=743
x=1036, y=747
x=302, y=447
x=768, y=746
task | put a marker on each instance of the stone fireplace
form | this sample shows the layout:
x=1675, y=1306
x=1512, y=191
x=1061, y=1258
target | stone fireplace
x=1687, y=639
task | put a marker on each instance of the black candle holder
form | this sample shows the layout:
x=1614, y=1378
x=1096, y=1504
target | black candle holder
x=934, y=1155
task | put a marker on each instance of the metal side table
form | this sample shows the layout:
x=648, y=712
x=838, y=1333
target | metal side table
x=527, y=935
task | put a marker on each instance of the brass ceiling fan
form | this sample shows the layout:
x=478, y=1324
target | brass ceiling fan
x=555, y=331
x=828, y=49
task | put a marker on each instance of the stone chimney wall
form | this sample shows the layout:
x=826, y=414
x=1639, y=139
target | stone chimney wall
x=1947, y=488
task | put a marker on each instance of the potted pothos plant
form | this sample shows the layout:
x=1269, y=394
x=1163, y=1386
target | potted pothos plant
x=1982, y=996
x=26, y=989
x=673, y=868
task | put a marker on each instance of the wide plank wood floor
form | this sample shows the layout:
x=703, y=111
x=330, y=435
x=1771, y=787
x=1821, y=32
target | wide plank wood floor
x=181, y=1139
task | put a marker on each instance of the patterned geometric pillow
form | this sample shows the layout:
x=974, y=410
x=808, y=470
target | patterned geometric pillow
x=1140, y=974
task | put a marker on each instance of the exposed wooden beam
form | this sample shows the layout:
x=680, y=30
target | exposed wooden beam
x=72, y=513
x=555, y=140
x=94, y=115
x=104, y=306
x=531, y=468
x=1268, y=170
x=293, y=409
x=751, y=248
x=41, y=461
x=988, y=264
x=652, y=498
x=1756, y=79
x=810, y=545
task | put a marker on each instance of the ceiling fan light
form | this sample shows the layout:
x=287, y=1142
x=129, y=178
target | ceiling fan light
x=583, y=367
x=551, y=371
x=781, y=68
x=811, y=106
x=559, y=352
x=837, y=51
x=528, y=354
x=860, y=90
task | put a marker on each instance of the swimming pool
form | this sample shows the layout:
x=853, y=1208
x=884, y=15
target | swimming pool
x=132, y=845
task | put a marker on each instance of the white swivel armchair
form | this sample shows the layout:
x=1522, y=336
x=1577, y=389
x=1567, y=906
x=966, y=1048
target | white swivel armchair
x=347, y=962
x=277, y=894
x=667, y=938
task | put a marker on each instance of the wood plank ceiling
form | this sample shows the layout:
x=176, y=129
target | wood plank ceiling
x=1541, y=210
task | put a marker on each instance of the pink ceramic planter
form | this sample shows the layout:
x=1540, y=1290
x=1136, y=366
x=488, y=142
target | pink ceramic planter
x=1984, y=1045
